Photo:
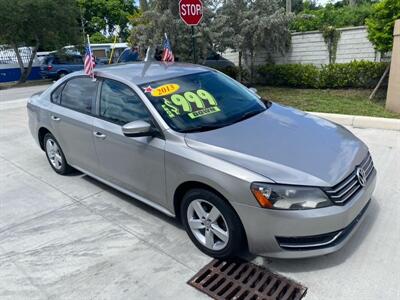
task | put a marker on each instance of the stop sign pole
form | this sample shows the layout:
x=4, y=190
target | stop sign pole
x=191, y=13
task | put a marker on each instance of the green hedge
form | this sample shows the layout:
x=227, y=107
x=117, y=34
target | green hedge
x=356, y=74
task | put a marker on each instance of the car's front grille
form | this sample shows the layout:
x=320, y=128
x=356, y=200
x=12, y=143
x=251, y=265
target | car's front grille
x=347, y=188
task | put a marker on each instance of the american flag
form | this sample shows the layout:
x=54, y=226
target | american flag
x=167, y=54
x=89, y=61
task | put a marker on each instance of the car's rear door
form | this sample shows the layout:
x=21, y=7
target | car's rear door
x=72, y=120
x=133, y=163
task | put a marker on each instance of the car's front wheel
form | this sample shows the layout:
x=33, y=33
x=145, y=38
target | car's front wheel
x=55, y=155
x=212, y=224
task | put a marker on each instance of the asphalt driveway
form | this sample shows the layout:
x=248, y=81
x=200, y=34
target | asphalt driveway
x=74, y=238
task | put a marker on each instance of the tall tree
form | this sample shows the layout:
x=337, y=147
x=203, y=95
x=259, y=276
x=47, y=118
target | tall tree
x=143, y=5
x=107, y=15
x=163, y=17
x=381, y=24
x=37, y=23
x=228, y=24
x=249, y=27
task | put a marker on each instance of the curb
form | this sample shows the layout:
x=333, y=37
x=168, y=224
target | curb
x=361, y=121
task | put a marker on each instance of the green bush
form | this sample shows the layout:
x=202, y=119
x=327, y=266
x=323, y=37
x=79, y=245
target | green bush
x=330, y=15
x=356, y=74
x=295, y=75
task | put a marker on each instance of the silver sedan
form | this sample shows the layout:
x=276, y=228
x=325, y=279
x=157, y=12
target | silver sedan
x=240, y=172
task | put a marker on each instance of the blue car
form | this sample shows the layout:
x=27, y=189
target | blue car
x=55, y=66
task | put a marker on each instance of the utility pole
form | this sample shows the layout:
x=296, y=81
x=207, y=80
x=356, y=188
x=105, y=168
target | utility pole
x=288, y=6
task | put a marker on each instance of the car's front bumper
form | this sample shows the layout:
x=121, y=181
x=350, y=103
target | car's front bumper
x=304, y=233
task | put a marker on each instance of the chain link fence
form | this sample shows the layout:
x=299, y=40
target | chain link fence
x=7, y=55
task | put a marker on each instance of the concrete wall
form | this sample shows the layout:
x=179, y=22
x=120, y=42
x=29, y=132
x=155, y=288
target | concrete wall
x=393, y=94
x=309, y=47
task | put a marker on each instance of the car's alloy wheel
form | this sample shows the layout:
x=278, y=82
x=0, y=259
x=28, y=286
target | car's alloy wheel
x=207, y=224
x=212, y=224
x=55, y=155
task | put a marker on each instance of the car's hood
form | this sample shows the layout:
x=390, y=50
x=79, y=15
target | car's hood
x=286, y=145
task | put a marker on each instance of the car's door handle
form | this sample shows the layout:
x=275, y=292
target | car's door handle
x=55, y=118
x=99, y=135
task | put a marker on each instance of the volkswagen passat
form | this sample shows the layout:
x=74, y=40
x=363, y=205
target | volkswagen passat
x=239, y=171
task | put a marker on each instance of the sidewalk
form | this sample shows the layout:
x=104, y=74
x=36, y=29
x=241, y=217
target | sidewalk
x=361, y=121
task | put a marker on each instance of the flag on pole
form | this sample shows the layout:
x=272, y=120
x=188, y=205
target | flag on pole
x=167, y=54
x=89, y=60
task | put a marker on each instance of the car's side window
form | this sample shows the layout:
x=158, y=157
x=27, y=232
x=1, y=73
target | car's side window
x=56, y=95
x=120, y=104
x=79, y=94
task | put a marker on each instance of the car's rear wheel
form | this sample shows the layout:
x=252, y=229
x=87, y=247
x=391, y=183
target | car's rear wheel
x=55, y=155
x=212, y=224
x=61, y=74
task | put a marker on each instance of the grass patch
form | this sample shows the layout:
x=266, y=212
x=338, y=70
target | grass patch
x=348, y=102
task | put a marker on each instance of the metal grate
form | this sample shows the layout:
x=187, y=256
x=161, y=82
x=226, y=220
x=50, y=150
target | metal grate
x=240, y=280
x=346, y=189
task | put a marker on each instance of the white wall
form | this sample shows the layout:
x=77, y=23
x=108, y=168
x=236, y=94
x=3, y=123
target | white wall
x=310, y=48
x=354, y=45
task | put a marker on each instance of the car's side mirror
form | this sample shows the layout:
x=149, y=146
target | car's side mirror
x=137, y=129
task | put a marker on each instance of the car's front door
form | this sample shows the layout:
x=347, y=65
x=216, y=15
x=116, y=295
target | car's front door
x=133, y=163
x=72, y=121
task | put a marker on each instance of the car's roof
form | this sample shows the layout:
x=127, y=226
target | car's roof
x=145, y=72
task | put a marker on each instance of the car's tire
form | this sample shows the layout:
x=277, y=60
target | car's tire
x=61, y=74
x=220, y=237
x=55, y=155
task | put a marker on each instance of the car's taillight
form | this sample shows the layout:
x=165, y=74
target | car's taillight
x=49, y=67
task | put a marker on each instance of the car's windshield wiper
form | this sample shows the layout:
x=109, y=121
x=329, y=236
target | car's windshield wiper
x=204, y=128
x=247, y=115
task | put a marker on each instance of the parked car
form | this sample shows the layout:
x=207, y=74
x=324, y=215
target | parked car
x=57, y=66
x=129, y=55
x=215, y=60
x=239, y=172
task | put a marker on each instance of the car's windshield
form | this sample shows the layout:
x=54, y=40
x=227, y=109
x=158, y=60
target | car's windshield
x=202, y=101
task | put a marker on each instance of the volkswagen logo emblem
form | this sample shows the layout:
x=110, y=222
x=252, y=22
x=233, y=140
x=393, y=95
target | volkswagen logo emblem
x=361, y=176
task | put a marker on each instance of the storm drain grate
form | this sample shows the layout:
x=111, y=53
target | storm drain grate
x=240, y=280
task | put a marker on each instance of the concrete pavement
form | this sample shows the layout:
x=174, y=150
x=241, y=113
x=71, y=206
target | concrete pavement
x=71, y=237
x=21, y=92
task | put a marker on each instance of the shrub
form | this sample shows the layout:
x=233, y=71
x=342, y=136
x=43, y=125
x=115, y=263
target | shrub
x=356, y=74
x=295, y=75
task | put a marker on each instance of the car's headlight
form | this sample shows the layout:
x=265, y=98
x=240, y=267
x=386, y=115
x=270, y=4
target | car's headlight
x=289, y=197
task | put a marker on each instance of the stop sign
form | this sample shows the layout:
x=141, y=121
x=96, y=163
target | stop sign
x=191, y=11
